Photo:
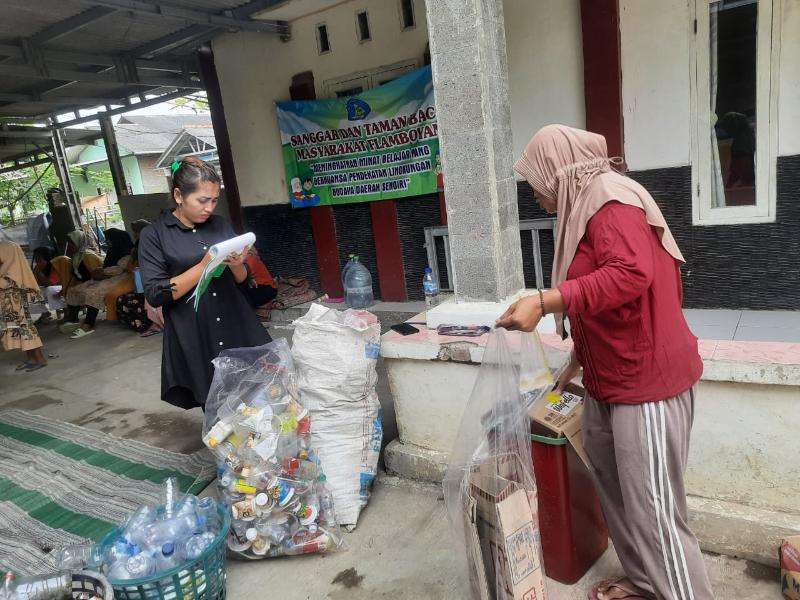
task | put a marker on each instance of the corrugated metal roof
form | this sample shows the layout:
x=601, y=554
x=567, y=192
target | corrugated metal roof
x=84, y=37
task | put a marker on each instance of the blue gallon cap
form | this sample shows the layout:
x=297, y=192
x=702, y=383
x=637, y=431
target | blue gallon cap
x=167, y=549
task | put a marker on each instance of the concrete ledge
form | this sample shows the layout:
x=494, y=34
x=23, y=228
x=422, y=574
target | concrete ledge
x=741, y=531
x=414, y=462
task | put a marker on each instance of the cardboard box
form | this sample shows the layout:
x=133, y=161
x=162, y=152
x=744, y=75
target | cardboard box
x=503, y=535
x=563, y=417
x=789, y=558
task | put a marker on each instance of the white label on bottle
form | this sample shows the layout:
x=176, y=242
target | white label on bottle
x=359, y=290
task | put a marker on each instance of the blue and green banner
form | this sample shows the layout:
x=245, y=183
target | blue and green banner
x=377, y=145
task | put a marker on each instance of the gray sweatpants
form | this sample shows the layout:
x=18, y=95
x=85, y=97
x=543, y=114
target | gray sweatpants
x=638, y=456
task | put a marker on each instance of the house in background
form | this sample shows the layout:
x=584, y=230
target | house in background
x=195, y=140
x=145, y=142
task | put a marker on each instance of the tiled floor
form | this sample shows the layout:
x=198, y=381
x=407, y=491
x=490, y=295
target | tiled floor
x=745, y=325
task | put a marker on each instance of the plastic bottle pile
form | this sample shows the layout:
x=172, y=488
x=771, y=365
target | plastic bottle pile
x=154, y=540
x=269, y=475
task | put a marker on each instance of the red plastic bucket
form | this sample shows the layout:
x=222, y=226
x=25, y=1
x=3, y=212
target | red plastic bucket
x=573, y=530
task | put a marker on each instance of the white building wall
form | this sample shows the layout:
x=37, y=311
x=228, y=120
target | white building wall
x=654, y=42
x=545, y=63
x=656, y=51
x=789, y=98
x=255, y=70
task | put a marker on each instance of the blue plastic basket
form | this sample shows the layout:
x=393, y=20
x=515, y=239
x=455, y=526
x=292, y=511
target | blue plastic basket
x=201, y=579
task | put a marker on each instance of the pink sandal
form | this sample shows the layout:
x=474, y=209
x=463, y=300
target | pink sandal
x=615, y=582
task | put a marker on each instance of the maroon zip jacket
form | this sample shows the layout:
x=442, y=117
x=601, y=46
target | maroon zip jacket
x=623, y=297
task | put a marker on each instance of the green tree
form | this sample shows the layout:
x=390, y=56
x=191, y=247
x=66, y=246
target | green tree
x=195, y=102
x=24, y=191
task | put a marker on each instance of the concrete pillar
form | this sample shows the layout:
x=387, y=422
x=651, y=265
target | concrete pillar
x=470, y=75
x=114, y=160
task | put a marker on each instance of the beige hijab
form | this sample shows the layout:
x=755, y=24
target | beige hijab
x=572, y=166
x=14, y=265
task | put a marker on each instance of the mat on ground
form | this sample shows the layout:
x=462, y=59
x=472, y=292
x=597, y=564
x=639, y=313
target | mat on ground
x=61, y=484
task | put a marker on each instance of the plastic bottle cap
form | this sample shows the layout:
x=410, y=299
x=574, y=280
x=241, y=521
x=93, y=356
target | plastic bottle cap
x=251, y=534
x=167, y=549
x=262, y=499
x=428, y=270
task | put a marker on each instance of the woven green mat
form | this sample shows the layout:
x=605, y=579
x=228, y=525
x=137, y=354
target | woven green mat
x=62, y=484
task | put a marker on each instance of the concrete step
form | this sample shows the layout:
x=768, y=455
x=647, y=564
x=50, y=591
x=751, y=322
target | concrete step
x=727, y=528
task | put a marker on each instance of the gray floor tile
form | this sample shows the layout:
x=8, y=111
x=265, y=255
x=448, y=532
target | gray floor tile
x=713, y=332
x=703, y=316
x=767, y=334
x=771, y=318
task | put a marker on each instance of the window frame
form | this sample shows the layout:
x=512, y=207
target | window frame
x=317, y=27
x=364, y=12
x=370, y=78
x=403, y=26
x=767, y=88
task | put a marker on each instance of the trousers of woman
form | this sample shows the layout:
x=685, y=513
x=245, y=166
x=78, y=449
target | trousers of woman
x=638, y=455
x=72, y=314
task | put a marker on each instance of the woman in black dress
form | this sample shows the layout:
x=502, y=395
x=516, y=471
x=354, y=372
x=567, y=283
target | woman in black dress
x=172, y=254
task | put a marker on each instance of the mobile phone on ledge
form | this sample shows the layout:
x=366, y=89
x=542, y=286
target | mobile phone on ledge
x=404, y=329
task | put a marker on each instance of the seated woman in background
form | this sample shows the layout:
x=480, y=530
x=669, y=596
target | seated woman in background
x=18, y=290
x=261, y=287
x=132, y=308
x=95, y=283
x=121, y=253
x=49, y=281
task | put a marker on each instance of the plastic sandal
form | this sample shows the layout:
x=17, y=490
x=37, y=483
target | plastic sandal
x=80, y=333
x=616, y=582
x=23, y=366
x=35, y=367
x=68, y=328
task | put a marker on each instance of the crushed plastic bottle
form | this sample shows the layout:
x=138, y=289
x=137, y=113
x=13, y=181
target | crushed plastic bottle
x=269, y=475
x=78, y=557
x=155, y=539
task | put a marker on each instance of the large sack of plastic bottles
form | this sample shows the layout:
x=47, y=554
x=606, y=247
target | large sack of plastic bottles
x=154, y=540
x=268, y=473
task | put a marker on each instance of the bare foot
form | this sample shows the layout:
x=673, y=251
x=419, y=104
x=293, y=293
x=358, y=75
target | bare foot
x=618, y=589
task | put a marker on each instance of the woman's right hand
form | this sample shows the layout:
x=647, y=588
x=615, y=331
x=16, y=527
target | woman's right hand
x=568, y=374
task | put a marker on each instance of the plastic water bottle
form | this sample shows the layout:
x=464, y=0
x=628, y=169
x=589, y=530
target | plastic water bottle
x=78, y=557
x=431, y=288
x=140, y=565
x=357, y=285
x=197, y=544
x=166, y=558
x=168, y=530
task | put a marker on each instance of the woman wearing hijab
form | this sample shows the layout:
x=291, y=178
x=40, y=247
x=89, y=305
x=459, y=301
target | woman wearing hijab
x=96, y=283
x=18, y=290
x=616, y=277
x=132, y=308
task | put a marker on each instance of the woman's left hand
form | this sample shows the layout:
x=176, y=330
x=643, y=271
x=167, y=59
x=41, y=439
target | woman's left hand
x=235, y=259
x=523, y=315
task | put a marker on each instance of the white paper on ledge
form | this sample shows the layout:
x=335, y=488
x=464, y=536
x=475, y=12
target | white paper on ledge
x=219, y=252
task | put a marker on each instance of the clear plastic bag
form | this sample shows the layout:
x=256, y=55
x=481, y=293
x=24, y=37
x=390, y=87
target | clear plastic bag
x=270, y=477
x=491, y=458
